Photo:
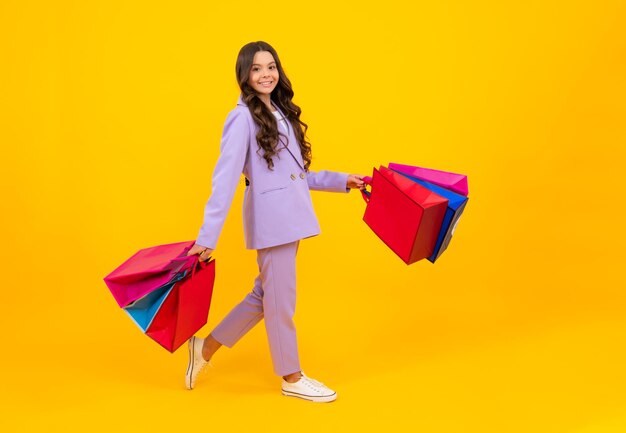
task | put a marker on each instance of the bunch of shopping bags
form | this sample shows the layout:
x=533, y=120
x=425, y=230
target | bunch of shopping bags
x=415, y=210
x=166, y=292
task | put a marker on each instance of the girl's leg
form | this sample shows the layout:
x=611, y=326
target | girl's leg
x=209, y=347
x=238, y=322
x=278, y=279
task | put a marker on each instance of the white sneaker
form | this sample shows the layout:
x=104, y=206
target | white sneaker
x=309, y=389
x=196, y=362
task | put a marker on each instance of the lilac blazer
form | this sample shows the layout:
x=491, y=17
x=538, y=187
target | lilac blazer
x=277, y=206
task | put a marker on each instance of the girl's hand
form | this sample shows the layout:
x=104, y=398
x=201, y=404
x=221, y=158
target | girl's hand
x=355, y=181
x=204, y=252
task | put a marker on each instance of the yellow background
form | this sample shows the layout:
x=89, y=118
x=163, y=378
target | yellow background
x=110, y=119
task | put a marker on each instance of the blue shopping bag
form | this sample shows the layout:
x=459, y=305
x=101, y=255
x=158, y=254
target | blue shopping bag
x=144, y=309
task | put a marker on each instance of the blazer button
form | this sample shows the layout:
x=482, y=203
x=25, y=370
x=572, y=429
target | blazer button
x=302, y=176
x=293, y=176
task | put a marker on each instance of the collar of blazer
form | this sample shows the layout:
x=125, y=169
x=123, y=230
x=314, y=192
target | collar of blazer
x=240, y=101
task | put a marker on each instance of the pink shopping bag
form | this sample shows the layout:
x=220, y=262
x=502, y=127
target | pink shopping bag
x=148, y=269
x=452, y=181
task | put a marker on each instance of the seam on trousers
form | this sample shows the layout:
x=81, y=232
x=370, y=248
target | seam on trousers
x=280, y=348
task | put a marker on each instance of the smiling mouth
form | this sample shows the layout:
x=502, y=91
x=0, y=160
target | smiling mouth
x=267, y=83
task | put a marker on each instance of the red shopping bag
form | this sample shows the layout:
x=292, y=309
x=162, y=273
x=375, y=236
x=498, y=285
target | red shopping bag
x=185, y=309
x=405, y=215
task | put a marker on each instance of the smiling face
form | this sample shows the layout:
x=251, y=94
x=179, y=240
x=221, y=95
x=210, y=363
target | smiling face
x=263, y=76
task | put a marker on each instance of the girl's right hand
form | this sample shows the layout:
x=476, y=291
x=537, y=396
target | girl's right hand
x=204, y=252
x=355, y=181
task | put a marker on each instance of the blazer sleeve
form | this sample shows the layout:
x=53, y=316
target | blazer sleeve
x=330, y=181
x=226, y=175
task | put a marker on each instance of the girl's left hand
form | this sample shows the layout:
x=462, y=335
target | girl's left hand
x=204, y=252
x=355, y=181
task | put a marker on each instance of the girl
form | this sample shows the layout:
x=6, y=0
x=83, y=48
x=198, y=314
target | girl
x=264, y=139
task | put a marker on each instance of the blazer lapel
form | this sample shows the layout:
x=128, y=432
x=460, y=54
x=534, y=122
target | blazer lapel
x=292, y=143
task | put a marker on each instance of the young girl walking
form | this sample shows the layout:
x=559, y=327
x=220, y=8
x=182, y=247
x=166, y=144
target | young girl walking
x=264, y=138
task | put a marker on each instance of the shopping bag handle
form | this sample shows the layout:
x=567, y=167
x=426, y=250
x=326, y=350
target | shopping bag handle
x=203, y=264
x=364, y=192
x=180, y=263
x=184, y=263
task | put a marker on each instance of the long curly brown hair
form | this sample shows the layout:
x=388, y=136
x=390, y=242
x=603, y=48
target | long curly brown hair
x=268, y=135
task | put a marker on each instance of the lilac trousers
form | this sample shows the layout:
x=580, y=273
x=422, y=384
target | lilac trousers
x=274, y=299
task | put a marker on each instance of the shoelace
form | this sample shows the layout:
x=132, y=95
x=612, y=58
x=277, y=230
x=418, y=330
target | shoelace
x=315, y=382
x=203, y=368
x=206, y=365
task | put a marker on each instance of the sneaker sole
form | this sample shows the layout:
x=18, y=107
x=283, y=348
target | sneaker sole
x=189, y=374
x=321, y=399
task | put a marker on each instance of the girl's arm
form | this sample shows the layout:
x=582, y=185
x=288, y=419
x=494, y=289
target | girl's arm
x=330, y=181
x=226, y=175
